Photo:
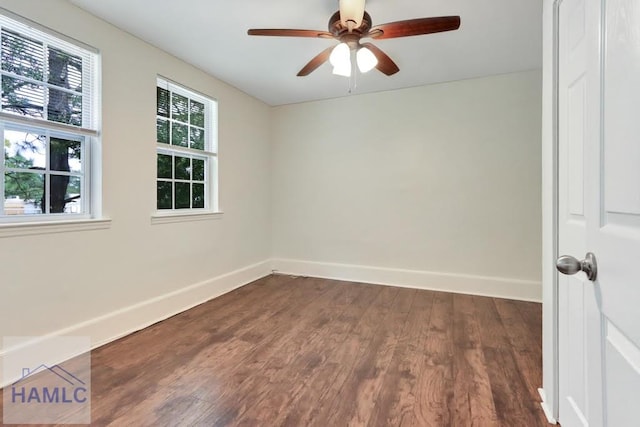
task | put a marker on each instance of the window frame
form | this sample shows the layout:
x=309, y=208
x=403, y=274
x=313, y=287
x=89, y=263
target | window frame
x=88, y=133
x=209, y=154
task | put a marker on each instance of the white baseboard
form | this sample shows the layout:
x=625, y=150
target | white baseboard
x=517, y=289
x=119, y=323
x=545, y=407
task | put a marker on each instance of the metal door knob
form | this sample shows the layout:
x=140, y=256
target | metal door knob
x=566, y=264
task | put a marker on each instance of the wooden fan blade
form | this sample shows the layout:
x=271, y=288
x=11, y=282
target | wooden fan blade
x=374, y=33
x=385, y=64
x=317, y=61
x=290, y=33
x=415, y=27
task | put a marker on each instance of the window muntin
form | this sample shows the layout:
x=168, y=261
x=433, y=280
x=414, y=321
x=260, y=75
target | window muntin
x=186, y=149
x=48, y=123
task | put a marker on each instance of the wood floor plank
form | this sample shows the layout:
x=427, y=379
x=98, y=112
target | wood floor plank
x=323, y=388
x=434, y=403
x=356, y=399
x=247, y=301
x=342, y=363
x=311, y=360
x=397, y=396
x=531, y=313
x=513, y=402
x=191, y=349
x=276, y=361
x=295, y=351
x=472, y=387
x=520, y=334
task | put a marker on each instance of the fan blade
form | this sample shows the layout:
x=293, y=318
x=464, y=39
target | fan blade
x=415, y=27
x=374, y=33
x=317, y=61
x=290, y=33
x=385, y=64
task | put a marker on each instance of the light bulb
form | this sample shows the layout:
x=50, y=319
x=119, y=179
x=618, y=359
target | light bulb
x=341, y=60
x=366, y=60
x=340, y=56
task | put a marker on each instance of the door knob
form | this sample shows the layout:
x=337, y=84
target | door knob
x=566, y=264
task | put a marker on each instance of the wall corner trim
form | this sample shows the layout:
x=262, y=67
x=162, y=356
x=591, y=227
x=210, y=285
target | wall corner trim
x=499, y=287
x=545, y=407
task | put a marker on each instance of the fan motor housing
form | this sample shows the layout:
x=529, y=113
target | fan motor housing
x=339, y=31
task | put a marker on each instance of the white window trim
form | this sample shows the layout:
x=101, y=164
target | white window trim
x=49, y=227
x=173, y=217
x=212, y=208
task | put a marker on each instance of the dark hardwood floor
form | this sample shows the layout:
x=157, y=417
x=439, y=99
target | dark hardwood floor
x=286, y=351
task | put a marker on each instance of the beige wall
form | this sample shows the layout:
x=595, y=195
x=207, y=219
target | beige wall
x=52, y=282
x=435, y=187
x=404, y=186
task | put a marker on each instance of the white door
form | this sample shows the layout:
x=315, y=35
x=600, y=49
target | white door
x=579, y=339
x=599, y=211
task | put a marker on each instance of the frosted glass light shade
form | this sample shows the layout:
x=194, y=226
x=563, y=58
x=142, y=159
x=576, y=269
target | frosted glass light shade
x=341, y=56
x=342, y=71
x=351, y=10
x=366, y=60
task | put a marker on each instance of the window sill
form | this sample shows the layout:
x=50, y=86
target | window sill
x=173, y=217
x=48, y=227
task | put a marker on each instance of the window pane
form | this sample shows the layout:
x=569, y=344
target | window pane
x=22, y=56
x=197, y=113
x=182, y=168
x=179, y=135
x=198, y=170
x=183, y=195
x=64, y=107
x=162, y=131
x=164, y=195
x=198, y=195
x=179, y=108
x=64, y=189
x=65, y=155
x=162, y=102
x=164, y=167
x=24, y=150
x=20, y=97
x=197, y=138
x=69, y=201
x=23, y=193
x=65, y=70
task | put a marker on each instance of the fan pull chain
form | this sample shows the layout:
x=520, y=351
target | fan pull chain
x=353, y=78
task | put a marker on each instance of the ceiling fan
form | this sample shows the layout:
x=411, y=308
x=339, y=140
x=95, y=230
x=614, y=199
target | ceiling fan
x=352, y=23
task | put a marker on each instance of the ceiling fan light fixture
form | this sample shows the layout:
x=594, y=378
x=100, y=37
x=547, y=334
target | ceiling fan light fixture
x=367, y=61
x=351, y=13
x=341, y=56
x=349, y=26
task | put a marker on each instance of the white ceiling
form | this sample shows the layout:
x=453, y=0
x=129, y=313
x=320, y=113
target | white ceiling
x=496, y=36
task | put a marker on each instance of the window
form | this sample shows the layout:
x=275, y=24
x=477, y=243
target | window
x=187, y=149
x=48, y=122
